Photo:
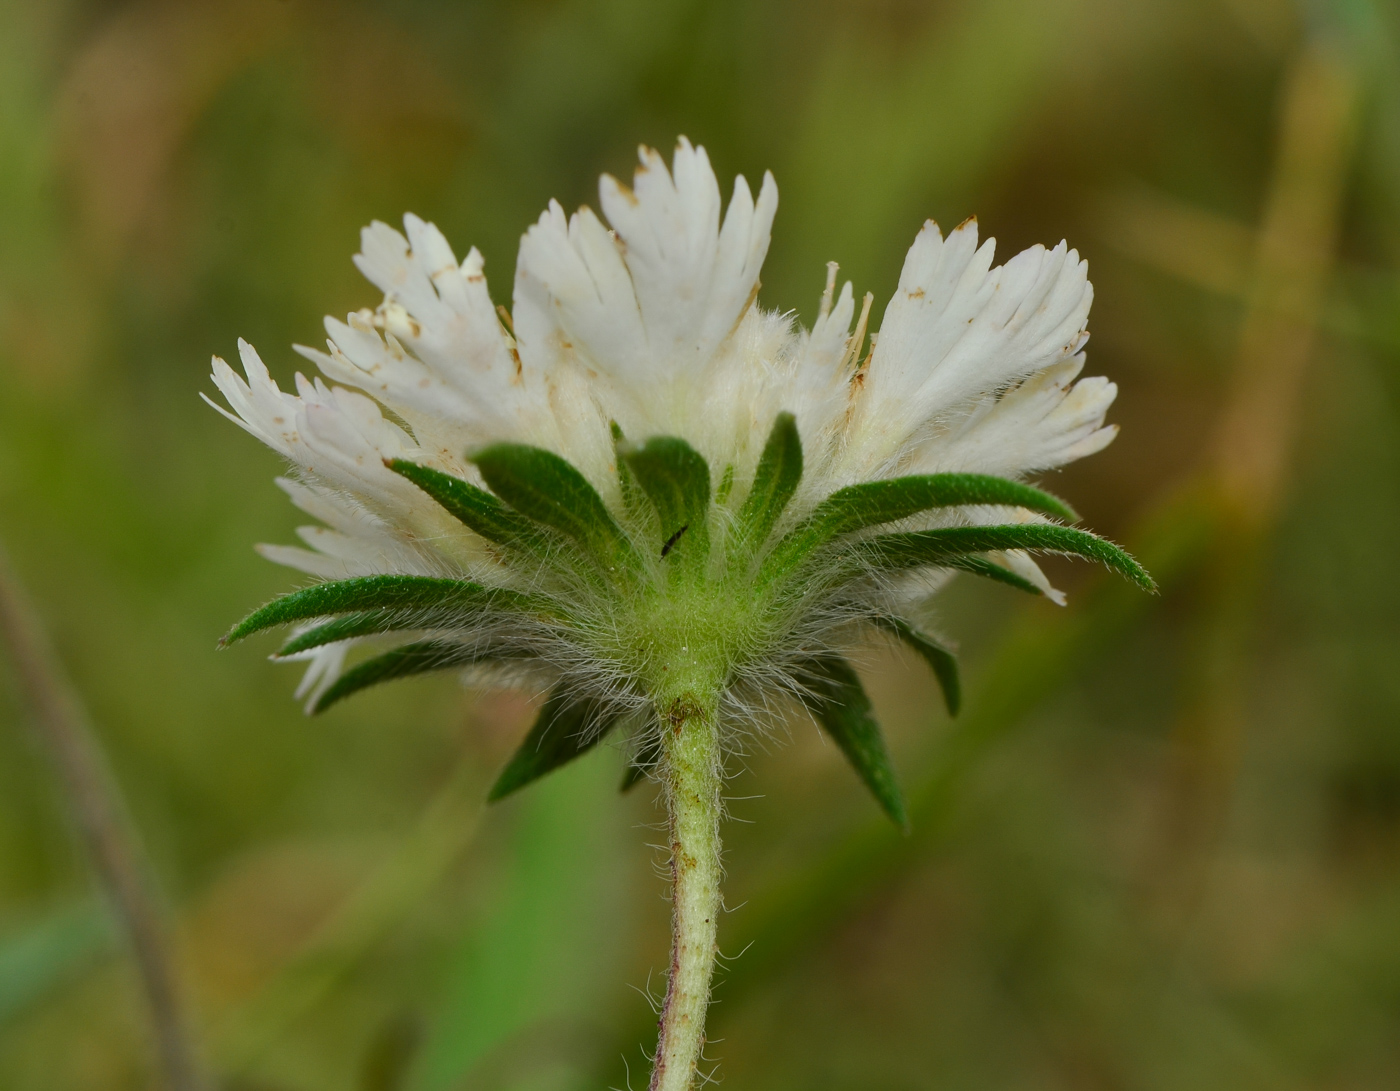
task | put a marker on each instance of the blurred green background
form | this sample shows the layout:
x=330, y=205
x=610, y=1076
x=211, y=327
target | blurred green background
x=1160, y=848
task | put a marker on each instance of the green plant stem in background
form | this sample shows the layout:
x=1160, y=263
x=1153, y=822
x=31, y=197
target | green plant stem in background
x=1294, y=255
x=98, y=811
x=689, y=723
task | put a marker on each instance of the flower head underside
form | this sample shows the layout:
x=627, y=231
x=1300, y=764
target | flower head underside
x=637, y=484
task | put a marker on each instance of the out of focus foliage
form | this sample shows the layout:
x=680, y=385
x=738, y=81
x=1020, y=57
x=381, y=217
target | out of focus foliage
x=1161, y=849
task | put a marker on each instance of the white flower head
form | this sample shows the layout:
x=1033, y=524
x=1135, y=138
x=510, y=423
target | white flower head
x=638, y=477
x=664, y=502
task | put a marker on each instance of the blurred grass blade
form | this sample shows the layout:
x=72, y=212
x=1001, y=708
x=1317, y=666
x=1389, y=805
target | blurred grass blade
x=520, y=988
x=838, y=702
x=943, y=662
x=393, y=890
x=389, y=1060
x=776, y=479
x=893, y=552
x=676, y=478
x=548, y=489
x=46, y=953
x=564, y=730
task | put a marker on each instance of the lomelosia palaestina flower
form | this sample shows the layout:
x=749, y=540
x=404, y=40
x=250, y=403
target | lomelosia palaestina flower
x=667, y=504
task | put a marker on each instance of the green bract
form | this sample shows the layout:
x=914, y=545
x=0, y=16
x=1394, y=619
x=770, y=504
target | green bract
x=690, y=588
x=565, y=729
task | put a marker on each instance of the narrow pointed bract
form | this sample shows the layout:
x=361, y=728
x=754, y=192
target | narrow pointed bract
x=838, y=702
x=775, y=480
x=943, y=662
x=565, y=729
x=676, y=480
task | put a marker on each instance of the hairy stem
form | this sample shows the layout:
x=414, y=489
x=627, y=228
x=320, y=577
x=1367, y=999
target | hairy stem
x=692, y=773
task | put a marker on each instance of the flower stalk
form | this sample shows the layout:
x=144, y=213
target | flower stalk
x=692, y=778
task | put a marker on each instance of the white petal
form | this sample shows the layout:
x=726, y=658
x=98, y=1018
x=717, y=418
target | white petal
x=341, y=439
x=574, y=298
x=312, y=563
x=444, y=363
x=258, y=405
x=646, y=313
x=1024, y=566
x=958, y=330
x=693, y=279
x=1047, y=421
x=326, y=664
